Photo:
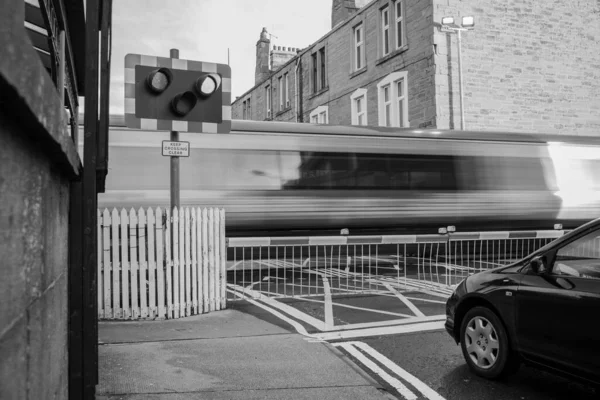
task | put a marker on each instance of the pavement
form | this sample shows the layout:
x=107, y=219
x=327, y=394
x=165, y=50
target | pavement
x=225, y=354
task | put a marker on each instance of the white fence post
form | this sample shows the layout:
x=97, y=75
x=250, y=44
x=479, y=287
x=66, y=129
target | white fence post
x=116, y=266
x=200, y=258
x=217, y=252
x=143, y=263
x=205, y=274
x=151, y=266
x=223, y=261
x=176, y=300
x=181, y=263
x=160, y=265
x=188, y=286
x=135, y=308
x=107, y=268
x=169, y=260
x=211, y=259
x=194, y=263
x=125, y=265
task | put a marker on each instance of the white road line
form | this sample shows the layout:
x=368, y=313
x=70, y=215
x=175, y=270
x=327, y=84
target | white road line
x=426, y=300
x=413, y=380
x=385, y=330
x=406, y=301
x=395, y=383
x=392, y=322
x=299, y=328
x=320, y=325
x=328, y=306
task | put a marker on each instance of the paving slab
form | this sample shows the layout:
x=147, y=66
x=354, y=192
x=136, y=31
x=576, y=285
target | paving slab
x=228, y=356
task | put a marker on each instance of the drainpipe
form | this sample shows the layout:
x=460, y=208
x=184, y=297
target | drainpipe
x=296, y=87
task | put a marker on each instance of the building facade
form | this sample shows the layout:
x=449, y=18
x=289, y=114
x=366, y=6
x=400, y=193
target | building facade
x=389, y=63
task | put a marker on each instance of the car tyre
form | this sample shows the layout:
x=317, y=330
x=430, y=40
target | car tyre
x=485, y=345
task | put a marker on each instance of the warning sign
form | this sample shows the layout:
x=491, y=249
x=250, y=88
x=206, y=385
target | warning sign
x=175, y=149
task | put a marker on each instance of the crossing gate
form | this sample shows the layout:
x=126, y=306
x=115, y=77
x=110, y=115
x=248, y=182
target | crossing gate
x=341, y=265
x=157, y=264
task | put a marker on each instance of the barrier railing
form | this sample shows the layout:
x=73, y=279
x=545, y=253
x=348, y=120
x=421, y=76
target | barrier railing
x=329, y=266
x=160, y=264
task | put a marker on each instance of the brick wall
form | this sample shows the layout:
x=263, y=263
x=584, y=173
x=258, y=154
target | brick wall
x=529, y=65
x=417, y=60
x=34, y=200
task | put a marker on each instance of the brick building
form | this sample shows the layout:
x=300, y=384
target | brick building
x=528, y=66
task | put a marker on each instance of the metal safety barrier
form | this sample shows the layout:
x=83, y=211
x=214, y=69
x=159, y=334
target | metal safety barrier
x=340, y=265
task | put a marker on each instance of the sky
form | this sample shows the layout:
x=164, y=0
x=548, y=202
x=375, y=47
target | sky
x=203, y=30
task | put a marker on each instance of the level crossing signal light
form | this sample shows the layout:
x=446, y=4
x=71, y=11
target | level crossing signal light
x=179, y=95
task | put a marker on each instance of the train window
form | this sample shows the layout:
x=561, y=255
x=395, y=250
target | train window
x=410, y=172
x=372, y=171
x=511, y=173
x=230, y=170
x=367, y=171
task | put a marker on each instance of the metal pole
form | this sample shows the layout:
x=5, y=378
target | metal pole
x=460, y=84
x=174, y=159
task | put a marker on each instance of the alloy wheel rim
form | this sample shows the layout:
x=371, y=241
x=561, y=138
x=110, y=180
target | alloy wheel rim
x=482, y=344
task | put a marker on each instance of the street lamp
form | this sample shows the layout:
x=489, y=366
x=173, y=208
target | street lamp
x=448, y=25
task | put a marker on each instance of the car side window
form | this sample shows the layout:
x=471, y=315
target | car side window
x=580, y=258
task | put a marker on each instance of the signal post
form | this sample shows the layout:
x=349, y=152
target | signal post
x=170, y=94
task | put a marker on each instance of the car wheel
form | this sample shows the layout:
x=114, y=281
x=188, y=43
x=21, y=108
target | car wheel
x=484, y=343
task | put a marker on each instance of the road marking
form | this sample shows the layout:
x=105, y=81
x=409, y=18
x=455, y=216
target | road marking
x=328, y=308
x=392, y=322
x=413, y=380
x=406, y=301
x=320, y=325
x=385, y=330
x=426, y=300
x=395, y=383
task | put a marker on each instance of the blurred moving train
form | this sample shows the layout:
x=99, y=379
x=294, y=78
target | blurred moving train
x=277, y=178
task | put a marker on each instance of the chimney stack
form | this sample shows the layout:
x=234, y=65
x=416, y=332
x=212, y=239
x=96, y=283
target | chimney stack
x=341, y=10
x=280, y=55
x=262, y=58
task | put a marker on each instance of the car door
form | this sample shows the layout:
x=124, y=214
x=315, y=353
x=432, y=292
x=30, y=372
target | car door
x=557, y=309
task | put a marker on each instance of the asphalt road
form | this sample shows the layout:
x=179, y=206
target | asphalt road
x=433, y=358
x=428, y=358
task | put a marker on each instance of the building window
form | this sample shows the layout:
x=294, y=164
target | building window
x=385, y=31
x=246, y=109
x=399, y=5
x=269, y=101
x=323, y=74
x=319, y=72
x=320, y=115
x=359, y=47
x=286, y=82
x=393, y=100
x=281, y=89
x=358, y=105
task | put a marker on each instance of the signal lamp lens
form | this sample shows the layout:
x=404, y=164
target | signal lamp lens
x=208, y=84
x=183, y=103
x=159, y=80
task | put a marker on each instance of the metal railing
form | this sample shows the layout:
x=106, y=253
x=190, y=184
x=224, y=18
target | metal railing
x=341, y=265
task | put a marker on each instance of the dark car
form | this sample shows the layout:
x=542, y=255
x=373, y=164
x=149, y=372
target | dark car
x=543, y=310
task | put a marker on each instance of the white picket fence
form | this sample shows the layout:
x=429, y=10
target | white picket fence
x=155, y=264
